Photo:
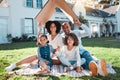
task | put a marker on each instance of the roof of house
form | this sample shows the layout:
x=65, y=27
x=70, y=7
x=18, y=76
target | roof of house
x=111, y=9
x=97, y=13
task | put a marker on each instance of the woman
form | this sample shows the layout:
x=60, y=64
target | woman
x=55, y=39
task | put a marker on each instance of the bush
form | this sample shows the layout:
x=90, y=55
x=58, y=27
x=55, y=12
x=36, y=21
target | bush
x=24, y=38
x=32, y=38
x=16, y=39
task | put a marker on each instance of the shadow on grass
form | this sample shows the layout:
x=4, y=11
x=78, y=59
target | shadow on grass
x=49, y=77
x=17, y=45
x=101, y=42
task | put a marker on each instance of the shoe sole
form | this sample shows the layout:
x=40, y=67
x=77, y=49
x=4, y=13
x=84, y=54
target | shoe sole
x=93, y=68
x=103, y=67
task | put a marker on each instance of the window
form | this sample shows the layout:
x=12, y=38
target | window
x=29, y=29
x=29, y=3
x=58, y=10
x=3, y=29
x=39, y=3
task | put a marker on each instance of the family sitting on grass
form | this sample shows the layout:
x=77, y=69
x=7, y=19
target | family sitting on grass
x=65, y=49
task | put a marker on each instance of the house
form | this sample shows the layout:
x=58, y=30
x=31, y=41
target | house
x=102, y=22
x=17, y=17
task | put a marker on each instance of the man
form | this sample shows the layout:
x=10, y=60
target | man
x=90, y=63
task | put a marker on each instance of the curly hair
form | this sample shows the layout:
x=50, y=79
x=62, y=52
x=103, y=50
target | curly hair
x=57, y=24
x=74, y=37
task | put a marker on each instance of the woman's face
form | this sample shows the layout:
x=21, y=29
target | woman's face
x=70, y=41
x=53, y=28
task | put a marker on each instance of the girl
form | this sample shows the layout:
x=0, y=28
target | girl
x=55, y=39
x=69, y=54
x=45, y=53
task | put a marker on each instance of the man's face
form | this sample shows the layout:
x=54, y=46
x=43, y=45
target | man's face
x=66, y=28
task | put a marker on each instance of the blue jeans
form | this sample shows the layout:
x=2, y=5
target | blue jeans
x=67, y=62
x=85, y=54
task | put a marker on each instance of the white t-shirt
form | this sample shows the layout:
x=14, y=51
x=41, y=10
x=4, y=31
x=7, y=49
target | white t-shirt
x=72, y=54
x=57, y=41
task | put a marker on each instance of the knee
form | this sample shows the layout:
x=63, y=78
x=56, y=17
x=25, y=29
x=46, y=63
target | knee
x=86, y=54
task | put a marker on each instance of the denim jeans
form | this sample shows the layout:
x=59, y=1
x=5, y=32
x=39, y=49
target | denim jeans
x=85, y=54
x=67, y=62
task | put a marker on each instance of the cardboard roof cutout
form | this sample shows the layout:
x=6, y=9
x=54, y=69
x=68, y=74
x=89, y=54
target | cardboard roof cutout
x=49, y=8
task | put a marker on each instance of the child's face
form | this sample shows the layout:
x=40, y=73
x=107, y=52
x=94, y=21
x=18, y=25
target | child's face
x=43, y=40
x=70, y=41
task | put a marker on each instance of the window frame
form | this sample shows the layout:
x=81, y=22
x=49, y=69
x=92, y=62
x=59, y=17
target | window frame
x=29, y=2
x=32, y=26
x=39, y=2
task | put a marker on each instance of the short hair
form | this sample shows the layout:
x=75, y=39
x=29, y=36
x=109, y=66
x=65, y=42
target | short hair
x=65, y=24
x=57, y=24
x=74, y=37
x=43, y=35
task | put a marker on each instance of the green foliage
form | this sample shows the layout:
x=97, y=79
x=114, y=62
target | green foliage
x=24, y=38
x=82, y=20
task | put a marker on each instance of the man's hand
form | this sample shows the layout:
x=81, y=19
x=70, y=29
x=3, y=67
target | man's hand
x=77, y=22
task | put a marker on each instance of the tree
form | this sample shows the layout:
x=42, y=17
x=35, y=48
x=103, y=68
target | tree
x=82, y=19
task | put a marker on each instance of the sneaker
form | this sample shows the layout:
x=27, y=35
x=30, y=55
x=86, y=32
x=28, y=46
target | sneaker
x=93, y=68
x=11, y=67
x=102, y=67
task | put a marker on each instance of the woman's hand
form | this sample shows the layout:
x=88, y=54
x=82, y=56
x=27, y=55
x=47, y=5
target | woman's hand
x=46, y=62
x=78, y=69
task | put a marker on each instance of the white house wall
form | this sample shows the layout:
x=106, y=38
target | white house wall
x=79, y=9
x=96, y=21
x=114, y=21
x=118, y=18
x=16, y=12
x=4, y=11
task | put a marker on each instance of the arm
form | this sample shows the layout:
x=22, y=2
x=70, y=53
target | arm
x=60, y=51
x=78, y=57
x=83, y=33
x=60, y=41
x=52, y=51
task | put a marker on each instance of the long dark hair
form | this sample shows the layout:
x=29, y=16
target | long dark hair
x=57, y=24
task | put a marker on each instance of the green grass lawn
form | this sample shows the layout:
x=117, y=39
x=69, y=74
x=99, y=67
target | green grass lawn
x=107, y=48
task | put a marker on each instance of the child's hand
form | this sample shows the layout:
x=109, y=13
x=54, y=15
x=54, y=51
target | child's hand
x=58, y=48
x=46, y=62
x=53, y=55
x=78, y=69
